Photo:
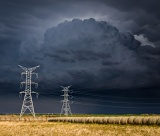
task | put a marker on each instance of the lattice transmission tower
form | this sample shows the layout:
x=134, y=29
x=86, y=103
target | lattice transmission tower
x=27, y=102
x=66, y=102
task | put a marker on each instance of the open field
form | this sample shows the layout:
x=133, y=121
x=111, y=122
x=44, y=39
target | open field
x=80, y=125
x=80, y=115
x=101, y=119
x=74, y=129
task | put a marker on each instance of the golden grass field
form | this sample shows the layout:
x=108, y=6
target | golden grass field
x=10, y=125
x=8, y=128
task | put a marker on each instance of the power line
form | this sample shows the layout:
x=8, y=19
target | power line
x=109, y=96
x=124, y=102
x=95, y=100
x=146, y=28
x=104, y=105
x=48, y=99
x=91, y=104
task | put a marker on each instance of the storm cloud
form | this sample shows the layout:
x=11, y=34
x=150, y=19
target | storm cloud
x=34, y=17
x=104, y=46
x=92, y=52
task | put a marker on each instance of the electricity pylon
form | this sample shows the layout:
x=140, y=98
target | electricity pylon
x=27, y=102
x=65, y=106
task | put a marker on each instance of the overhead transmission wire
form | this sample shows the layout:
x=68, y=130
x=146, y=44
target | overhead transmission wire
x=140, y=31
x=147, y=28
x=48, y=98
x=106, y=97
x=93, y=94
x=101, y=105
x=109, y=96
x=97, y=100
x=103, y=96
x=113, y=102
x=91, y=104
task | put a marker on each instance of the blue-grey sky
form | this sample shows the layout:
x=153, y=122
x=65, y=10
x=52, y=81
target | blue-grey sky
x=107, y=50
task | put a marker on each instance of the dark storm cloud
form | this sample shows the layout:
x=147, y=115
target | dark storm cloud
x=94, y=48
x=33, y=17
x=150, y=9
x=82, y=53
x=143, y=13
x=101, y=52
x=6, y=44
x=20, y=20
x=151, y=58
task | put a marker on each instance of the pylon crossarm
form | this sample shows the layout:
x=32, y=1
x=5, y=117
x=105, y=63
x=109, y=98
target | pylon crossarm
x=22, y=92
x=23, y=73
x=34, y=68
x=65, y=95
x=37, y=94
x=64, y=100
x=69, y=86
x=62, y=87
x=36, y=84
x=35, y=74
x=34, y=92
x=21, y=84
x=24, y=68
x=33, y=82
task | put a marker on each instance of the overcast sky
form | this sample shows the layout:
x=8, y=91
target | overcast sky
x=108, y=50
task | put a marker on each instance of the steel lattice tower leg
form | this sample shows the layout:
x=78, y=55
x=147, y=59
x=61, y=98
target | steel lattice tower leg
x=66, y=102
x=27, y=102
